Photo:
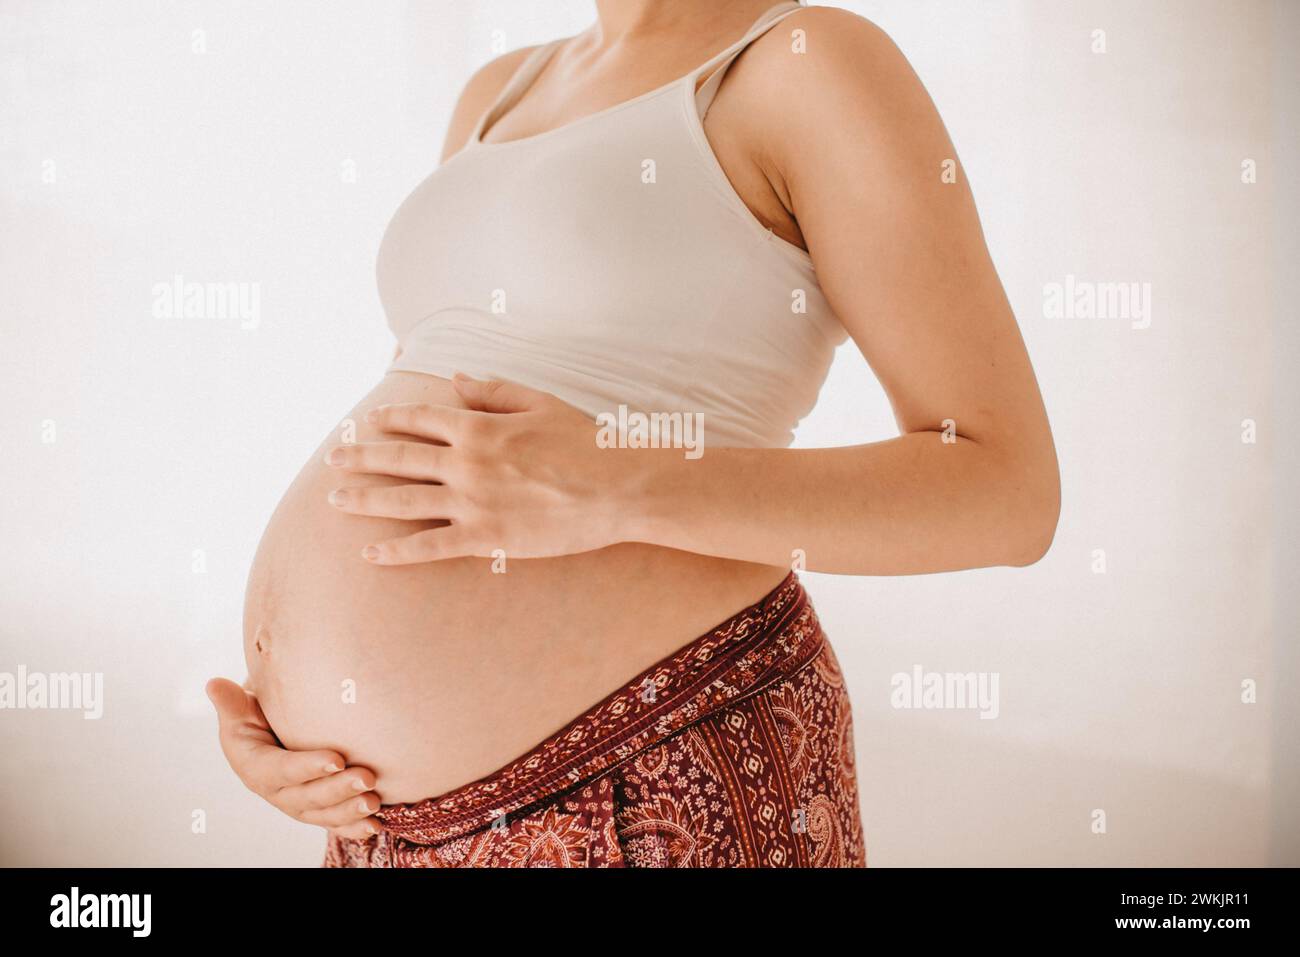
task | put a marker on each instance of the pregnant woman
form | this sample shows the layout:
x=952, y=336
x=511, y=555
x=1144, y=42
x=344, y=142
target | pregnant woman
x=532, y=603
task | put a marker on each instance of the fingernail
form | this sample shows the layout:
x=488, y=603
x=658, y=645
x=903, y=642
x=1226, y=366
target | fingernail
x=364, y=807
x=370, y=553
x=371, y=828
x=335, y=457
x=360, y=785
x=338, y=498
x=331, y=768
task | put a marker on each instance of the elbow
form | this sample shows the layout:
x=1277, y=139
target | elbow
x=1036, y=546
x=1037, y=508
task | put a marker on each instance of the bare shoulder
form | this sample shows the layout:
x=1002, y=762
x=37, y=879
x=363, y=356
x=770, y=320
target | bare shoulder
x=833, y=47
x=828, y=76
x=479, y=93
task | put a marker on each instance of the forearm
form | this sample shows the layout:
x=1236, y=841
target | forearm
x=907, y=506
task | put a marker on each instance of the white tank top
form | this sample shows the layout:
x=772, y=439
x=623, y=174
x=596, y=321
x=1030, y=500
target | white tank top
x=609, y=261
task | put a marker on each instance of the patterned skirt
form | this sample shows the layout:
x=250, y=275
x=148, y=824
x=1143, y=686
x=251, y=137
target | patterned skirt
x=735, y=751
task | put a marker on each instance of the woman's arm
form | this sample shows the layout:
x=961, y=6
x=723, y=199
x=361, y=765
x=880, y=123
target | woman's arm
x=972, y=480
x=901, y=257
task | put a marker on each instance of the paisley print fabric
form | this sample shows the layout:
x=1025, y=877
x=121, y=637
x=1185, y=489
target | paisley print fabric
x=735, y=751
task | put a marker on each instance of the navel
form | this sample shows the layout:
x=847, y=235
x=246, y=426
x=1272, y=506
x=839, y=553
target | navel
x=262, y=641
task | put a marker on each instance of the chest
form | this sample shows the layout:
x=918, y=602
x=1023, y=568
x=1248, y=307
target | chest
x=569, y=97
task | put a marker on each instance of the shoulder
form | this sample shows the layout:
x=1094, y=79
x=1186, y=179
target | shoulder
x=829, y=77
x=830, y=43
x=478, y=95
x=827, y=68
x=820, y=57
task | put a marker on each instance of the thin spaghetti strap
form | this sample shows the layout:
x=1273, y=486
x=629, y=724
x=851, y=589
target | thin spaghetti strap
x=517, y=84
x=716, y=68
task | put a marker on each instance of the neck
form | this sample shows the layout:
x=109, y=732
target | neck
x=620, y=20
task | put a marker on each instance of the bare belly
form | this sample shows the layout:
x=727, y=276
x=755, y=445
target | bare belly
x=435, y=675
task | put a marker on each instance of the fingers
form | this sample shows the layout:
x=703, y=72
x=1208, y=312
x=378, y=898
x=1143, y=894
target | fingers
x=413, y=460
x=358, y=831
x=411, y=502
x=343, y=800
x=328, y=791
x=274, y=768
x=310, y=786
x=438, y=422
x=240, y=723
x=252, y=750
x=232, y=702
x=432, y=545
x=497, y=395
x=340, y=815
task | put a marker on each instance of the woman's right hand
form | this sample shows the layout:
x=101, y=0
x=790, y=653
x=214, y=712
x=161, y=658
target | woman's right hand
x=310, y=786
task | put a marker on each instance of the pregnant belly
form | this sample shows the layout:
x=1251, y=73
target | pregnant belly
x=435, y=675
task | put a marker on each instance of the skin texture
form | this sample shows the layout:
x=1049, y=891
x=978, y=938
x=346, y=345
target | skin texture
x=972, y=479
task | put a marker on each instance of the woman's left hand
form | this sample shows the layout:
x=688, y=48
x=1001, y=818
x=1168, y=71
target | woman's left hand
x=518, y=473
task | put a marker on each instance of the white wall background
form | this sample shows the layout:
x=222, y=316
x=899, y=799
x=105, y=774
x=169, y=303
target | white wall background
x=127, y=158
